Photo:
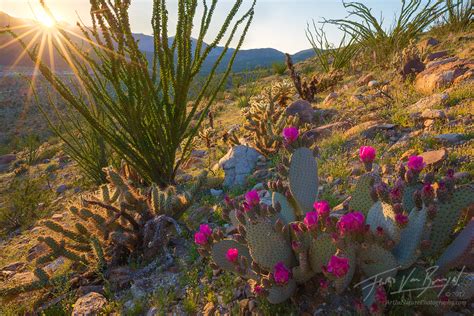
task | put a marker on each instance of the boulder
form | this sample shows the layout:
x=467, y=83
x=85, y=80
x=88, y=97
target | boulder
x=427, y=43
x=442, y=74
x=429, y=102
x=373, y=84
x=434, y=157
x=433, y=114
x=6, y=159
x=436, y=55
x=239, y=162
x=412, y=67
x=90, y=304
x=301, y=108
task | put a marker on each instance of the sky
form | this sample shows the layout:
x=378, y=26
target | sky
x=277, y=24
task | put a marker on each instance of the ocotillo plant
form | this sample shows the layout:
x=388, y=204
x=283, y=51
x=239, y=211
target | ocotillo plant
x=380, y=232
x=149, y=117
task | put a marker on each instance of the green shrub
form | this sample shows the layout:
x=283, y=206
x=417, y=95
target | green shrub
x=459, y=15
x=140, y=106
x=279, y=68
x=26, y=201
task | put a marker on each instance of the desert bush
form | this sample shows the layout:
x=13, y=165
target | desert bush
x=30, y=145
x=381, y=232
x=279, y=68
x=147, y=119
x=26, y=201
x=119, y=224
x=381, y=43
x=331, y=57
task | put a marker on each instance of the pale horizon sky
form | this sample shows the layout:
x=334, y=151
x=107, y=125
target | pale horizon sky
x=277, y=24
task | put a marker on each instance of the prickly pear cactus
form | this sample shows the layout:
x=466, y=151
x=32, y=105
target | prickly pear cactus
x=381, y=214
x=303, y=178
x=361, y=199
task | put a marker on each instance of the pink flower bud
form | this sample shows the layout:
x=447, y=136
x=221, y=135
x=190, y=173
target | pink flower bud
x=367, y=154
x=380, y=231
x=401, y=219
x=324, y=284
x=311, y=220
x=416, y=164
x=281, y=274
x=200, y=238
x=257, y=289
x=322, y=208
x=338, y=266
x=290, y=134
x=232, y=255
x=205, y=229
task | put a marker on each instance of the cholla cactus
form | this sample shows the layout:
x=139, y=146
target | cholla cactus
x=116, y=224
x=266, y=117
x=297, y=237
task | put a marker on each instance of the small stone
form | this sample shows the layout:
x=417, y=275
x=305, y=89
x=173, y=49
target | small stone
x=428, y=123
x=429, y=102
x=7, y=159
x=62, y=188
x=89, y=304
x=55, y=265
x=57, y=217
x=434, y=157
x=365, y=80
x=433, y=114
x=373, y=84
x=429, y=42
x=452, y=138
x=216, y=193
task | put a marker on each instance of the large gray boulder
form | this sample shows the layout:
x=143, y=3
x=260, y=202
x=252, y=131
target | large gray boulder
x=238, y=164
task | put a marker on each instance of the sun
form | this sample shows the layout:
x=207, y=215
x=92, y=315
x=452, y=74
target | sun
x=46, y=20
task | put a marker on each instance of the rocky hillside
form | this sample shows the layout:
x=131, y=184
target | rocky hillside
x=422, y=109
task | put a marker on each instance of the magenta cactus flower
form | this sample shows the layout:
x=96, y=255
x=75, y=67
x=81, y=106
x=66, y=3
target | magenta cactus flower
x=251, y=199
x=257, y=289
x=375, y=309
x=338, y=266
x=367, y=154
x=200, y=238
x=416, y=163
x=281, y=274
x=322, y=208
x=401, y=219
x=290, y=134
x=381, y=296
x=311, y=220
x=232, y=254
x=205, y=229
x=351, y=223
x=323, y=283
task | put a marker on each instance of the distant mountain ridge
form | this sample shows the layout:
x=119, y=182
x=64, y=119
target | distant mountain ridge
x=246, y=59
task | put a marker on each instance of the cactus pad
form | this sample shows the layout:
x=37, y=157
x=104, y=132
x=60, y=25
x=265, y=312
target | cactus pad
x=303, y=176
x=320, y=251
x=361, y=200
x=448, y=216
x=407, y=199
x=219, y=251
x=460, y=251
x=287, y=213
x=278, y=294
x=382, y=215
x=376, y=260
x=268, y=247
x=410, y=239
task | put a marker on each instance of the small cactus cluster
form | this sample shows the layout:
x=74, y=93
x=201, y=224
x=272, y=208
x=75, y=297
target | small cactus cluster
x=114, y=225
x=307, y=90
x=380, y=231
x=266, y=117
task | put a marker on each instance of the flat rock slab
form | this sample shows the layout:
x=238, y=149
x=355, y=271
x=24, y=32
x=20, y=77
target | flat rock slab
x=440, y=74
x=451, y=138
x=435, y=157
x=303, y=109
x=327, y=129
x=429, y=103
